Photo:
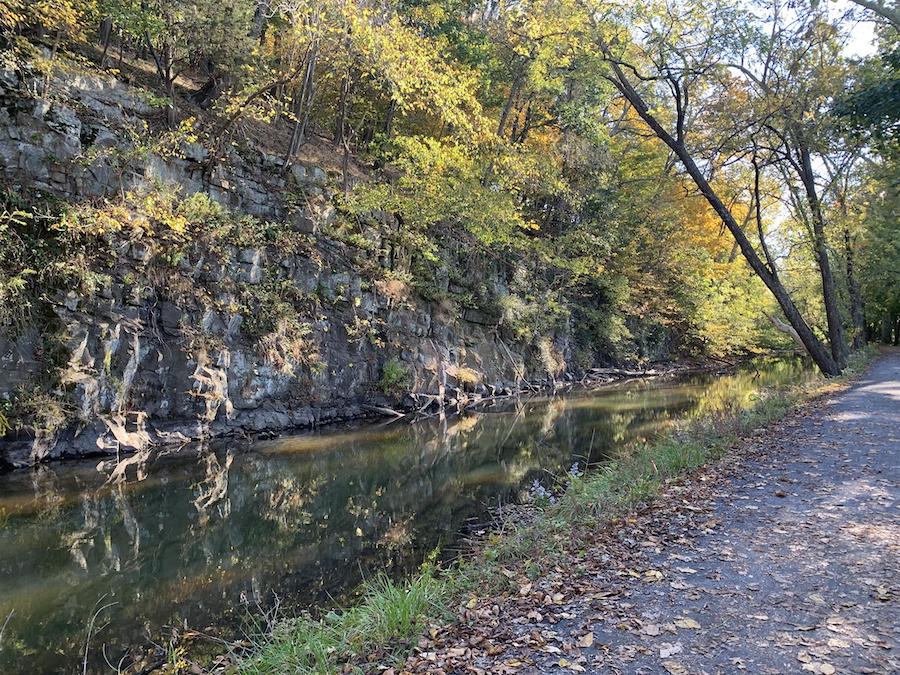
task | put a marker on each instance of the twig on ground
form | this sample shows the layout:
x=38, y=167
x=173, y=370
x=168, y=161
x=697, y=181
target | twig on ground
x=117, y=667
x=3, y=627
x=90, y=631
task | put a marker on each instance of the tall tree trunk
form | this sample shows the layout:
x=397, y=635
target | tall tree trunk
x=504, y=119
x=526, y=125
x=171, y=113
x=824, y=360
x=886, y=325
x=164, y=65
x=733, y=254
x=342, y=134
x=389, y=119
x=303, y=104
x=106, y=27
x=121, y=50
x=260, y=21
x=857, y=312
x=340, y=124
x=510, y=101
x=829, y=292
x=345, y=166
x=56, y=38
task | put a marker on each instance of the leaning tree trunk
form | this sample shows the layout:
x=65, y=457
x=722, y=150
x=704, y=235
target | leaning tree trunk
x=823, y=358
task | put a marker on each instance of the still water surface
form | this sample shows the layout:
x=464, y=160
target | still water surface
x=203, y=539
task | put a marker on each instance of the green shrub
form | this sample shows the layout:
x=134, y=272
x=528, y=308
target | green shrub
x=393, y=377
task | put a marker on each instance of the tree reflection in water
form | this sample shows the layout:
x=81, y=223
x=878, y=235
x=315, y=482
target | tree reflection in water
x=181, y=539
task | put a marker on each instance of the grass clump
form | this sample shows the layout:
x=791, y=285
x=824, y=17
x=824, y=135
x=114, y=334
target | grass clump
x=391, y=613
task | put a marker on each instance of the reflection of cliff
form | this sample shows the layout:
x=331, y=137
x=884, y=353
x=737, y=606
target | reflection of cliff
x=305, y=516
x=93, y=546
x=212, y=490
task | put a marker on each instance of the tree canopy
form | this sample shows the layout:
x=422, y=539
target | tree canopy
x=727, y=170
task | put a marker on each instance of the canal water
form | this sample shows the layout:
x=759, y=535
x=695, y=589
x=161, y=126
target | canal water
x=206, y=539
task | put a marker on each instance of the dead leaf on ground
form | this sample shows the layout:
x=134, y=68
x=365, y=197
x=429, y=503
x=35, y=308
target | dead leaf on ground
x=667, y=649
x=565, y=663
x=652, y=575
x=686, y=622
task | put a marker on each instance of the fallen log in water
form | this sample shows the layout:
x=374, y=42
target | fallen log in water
x=384, y=410
x=623, y=372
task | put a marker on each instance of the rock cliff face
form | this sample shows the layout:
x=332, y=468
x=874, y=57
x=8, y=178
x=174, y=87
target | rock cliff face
x=171, y=349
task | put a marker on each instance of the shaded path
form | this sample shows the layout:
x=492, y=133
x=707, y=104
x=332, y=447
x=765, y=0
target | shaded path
x=785, y=561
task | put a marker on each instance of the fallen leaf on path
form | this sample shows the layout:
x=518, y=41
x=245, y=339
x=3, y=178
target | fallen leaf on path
x=666, y=649
x=564, y=663
x=586, y=640
x=883, y=593
x=652, y=575
x=687, y=623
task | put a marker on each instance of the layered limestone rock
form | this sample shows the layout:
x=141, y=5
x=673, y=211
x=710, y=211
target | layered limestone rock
x=160, y=353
